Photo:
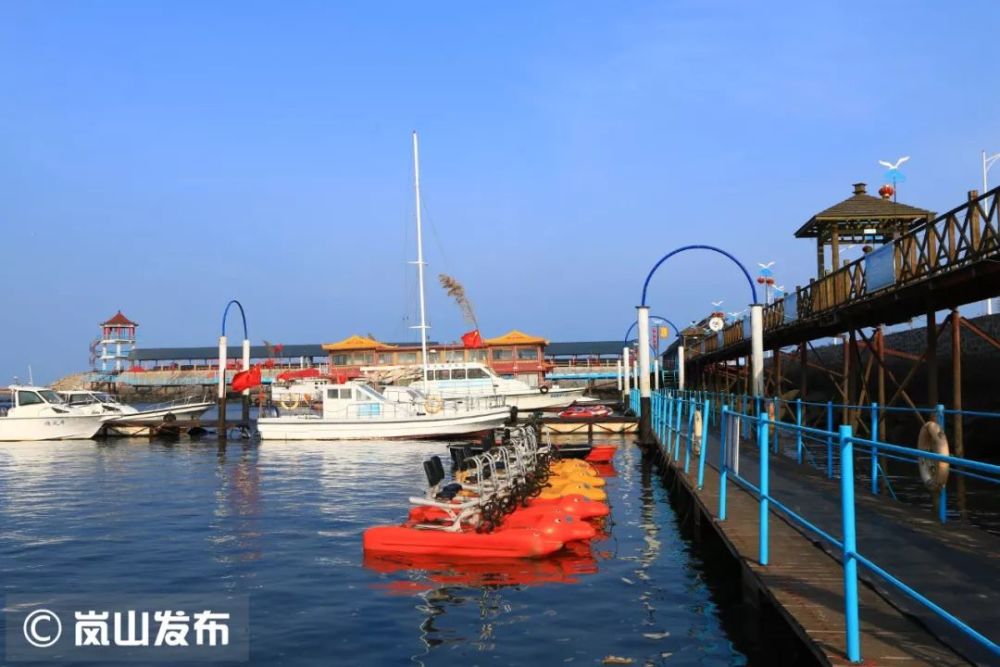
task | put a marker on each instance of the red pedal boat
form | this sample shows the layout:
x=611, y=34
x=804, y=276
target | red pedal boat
x=502, y=543
x=586, y=411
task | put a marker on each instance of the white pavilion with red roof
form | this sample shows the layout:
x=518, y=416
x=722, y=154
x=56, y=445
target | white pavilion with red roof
x=117, y=340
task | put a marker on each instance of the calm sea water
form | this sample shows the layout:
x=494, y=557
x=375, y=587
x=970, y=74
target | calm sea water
x=282, y=524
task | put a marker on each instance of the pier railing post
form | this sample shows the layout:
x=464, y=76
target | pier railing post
x=723, y=467
x=765, y=454
x=706, y=410
x=852, y=630
x=690, y=436
x=829, y=439
x=798, y=431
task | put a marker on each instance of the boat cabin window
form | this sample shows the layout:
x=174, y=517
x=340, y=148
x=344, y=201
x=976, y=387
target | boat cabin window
x=478, y=374
x=443, y=374
x=342, y=394
x=458, y=374
x=28, y=398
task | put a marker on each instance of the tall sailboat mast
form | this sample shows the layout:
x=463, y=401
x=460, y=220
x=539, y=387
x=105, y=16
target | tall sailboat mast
x=420, y=256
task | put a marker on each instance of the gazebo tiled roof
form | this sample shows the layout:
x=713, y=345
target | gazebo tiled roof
x=516, y=337
x=119, y=320
x=860, y=209
x=357, y=343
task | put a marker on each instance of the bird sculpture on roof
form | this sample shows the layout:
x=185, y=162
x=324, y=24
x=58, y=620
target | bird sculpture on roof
x=894, y=167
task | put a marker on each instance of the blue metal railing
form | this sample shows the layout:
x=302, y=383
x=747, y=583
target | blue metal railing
x=668, y=411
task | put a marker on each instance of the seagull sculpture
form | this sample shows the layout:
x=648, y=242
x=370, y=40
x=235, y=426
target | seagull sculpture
x=765, y=266
x=891, y=166
x=717, y=303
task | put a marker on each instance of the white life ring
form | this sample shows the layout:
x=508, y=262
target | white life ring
x=696, y=433
x=289, y=404
x=433, y=404
x=933, y=473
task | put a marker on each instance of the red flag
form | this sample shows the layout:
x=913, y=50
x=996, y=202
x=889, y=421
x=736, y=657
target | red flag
x=472, y=339
x=246, y=379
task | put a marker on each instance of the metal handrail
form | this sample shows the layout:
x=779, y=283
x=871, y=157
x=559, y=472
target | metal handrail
x=667, y=405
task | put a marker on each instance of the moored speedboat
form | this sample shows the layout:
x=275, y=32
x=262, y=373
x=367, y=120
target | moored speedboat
x=39, y=413
x=123, y=419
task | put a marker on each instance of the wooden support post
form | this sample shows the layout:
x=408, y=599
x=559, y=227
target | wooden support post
x=880, y=436
x=974, y=221
x=777, y=372
x=846, y=411
x=820, y=257
x=956, y=397
x=834, y=249
x=932, y=367
x=803, y=372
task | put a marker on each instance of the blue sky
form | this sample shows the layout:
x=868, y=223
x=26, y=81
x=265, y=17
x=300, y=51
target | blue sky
x=163, y=158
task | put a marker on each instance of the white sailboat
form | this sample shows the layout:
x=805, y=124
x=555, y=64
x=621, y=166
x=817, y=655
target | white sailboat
x=354, y=410
x=38, y=413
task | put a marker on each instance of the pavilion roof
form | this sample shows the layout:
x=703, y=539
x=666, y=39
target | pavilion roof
x=119, y=320
x=516, y=337
x=862, y=209
x=357, y=343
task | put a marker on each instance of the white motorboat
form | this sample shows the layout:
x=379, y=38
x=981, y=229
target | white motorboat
x=356, y=411
x=123, y=419
x=39, y=413
x=464, y=379
x=290, y=395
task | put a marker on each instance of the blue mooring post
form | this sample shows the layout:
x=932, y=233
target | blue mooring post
x=874, y=449
x=853, y=638
x=798, y=431
x=706, y=410
x=723, y=470
x=943, y=497
x=829, y=439
x=764, y=486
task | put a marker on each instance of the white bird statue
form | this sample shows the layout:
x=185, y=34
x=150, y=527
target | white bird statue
x=889, y=165
x=765, y=266
x=717, y=303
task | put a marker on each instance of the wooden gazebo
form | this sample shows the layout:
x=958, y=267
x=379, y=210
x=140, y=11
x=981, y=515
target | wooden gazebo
x=861, y=218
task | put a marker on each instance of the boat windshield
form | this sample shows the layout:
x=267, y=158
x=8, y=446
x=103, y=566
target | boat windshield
x=78, y=398
x=367, y=394
x=51, y=397
x=104, y=398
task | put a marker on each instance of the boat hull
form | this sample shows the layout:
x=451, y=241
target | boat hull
x=536, y=400
x=316, y=428
x=139, y=423
x=55, y=427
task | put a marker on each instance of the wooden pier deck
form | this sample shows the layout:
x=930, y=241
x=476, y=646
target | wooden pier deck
x=957, y=566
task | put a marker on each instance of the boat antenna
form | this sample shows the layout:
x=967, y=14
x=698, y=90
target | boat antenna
x=420, y=257
x=31, y=377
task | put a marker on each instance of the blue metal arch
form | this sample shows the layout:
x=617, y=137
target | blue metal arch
x=645, y=285
x=651, y=317
x=243, y=315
